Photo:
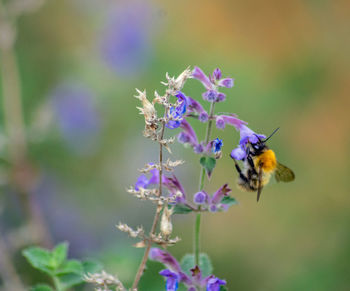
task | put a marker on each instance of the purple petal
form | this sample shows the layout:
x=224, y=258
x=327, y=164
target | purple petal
x=221, y=97
x=210, y=95
x=238, y=153
x=200, y=197
x=187, y=128
x=142, y=182
x=183, y=137
x=165, y=258
x=198, y=74
x=203, y=117
x=217, y=145
x=213, y=208
x=174, y=186
x=220, y=122
x=220, y=193
x=198, y=149
x=234, y=121
x=172, y=282
x=227, y=82
x=217, y=74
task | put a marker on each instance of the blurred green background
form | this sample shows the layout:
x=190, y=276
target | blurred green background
x=290, y=61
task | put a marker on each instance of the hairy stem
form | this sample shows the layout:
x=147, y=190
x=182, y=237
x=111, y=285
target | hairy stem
x=201, y=186
x=156, y=216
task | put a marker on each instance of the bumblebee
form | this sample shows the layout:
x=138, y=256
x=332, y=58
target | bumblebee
x=259, y=165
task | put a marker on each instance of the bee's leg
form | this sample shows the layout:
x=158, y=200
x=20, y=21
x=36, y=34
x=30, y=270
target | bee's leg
x=251, y=164
x=241, y=175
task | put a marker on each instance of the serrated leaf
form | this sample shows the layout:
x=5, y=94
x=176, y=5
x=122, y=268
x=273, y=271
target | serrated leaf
x=181, y=209
x=91, y=266
x=208, y=163
x=229, y=200
x=59, y=254
x=187, y=263
x=41, y=287
x=71, y=266
x=40, y=259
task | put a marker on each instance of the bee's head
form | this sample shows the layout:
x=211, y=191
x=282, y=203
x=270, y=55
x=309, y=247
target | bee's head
x=259, y=146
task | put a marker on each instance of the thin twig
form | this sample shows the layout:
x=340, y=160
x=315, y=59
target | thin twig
x=156, y=216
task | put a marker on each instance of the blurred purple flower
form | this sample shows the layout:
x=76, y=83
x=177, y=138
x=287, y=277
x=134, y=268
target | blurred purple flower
x=126, y=44
x=211, y=84
x=77, y=117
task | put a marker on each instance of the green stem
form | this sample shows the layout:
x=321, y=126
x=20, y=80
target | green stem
x=57, y=284
x=201, y=186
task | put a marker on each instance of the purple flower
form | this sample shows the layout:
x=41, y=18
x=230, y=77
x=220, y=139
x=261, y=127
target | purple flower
x=220, y=193
x=195, y=106
x=188, y=131
x=172, y=281
x=217, y=145
x=166, y=259
x=222, y=120
x=227, y=82
x=217, y=74
x=142, y=182
x=200, y=197
x=247, y=135
x=77, y=117
x=177, y=112
x=214, y=284
x=238, y=153
x=210, y=95
x=199, y=75
x=212, y=83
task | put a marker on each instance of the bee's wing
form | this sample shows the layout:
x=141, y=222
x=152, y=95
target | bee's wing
x=283, y=173
x=260, y=173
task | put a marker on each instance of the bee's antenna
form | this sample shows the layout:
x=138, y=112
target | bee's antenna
x=266, y=139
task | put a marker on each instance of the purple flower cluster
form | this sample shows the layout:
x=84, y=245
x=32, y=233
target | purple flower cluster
x=175, y=275
x=212, y=83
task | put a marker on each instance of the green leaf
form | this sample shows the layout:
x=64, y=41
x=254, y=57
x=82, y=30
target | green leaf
x=208, y=163
x=181, y=209
x=71, y=266
x=229, y=200
x=91, y=266
x=187, y=263
x=223, y=288
x=41, y=287
x=40, y=259
x=68, y=280
x=59, y=254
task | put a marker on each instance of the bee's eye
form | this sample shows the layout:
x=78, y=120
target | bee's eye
x=256, y=146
